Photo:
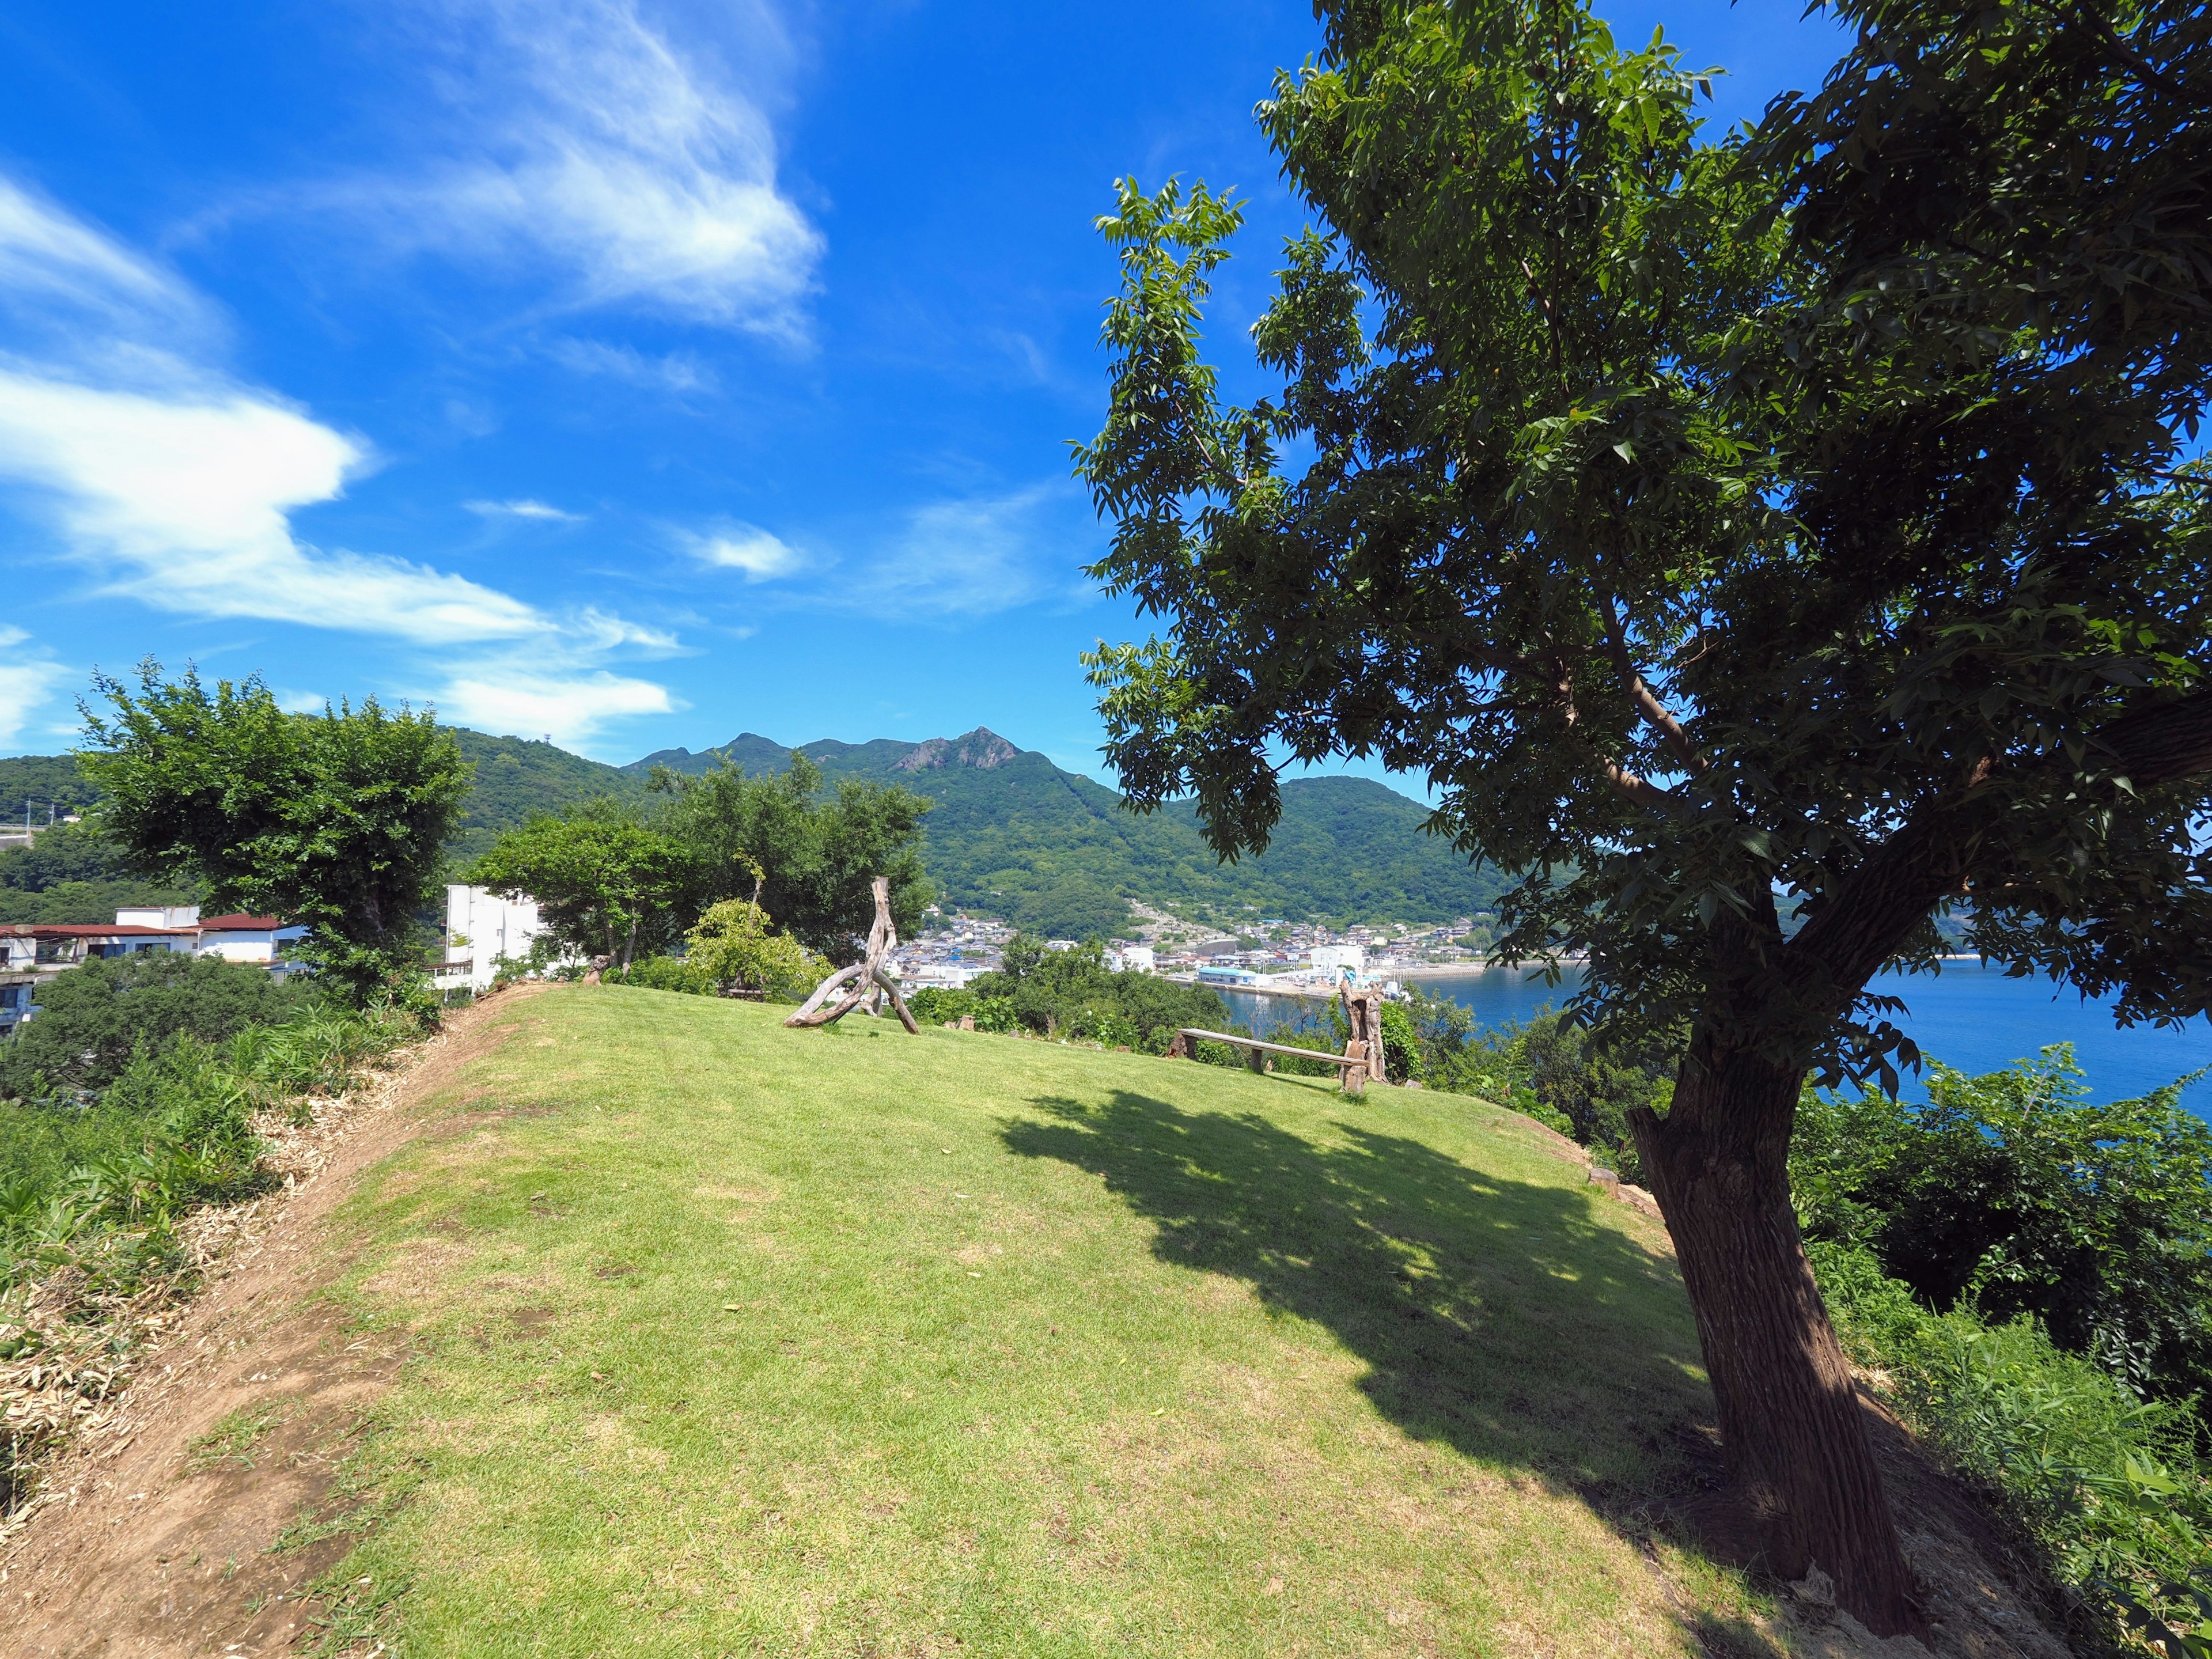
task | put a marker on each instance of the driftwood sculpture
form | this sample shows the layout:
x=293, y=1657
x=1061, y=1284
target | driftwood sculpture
x=1362, y=1009
x=867, y=976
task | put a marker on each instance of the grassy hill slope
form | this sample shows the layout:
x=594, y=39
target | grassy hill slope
x=734, y=1339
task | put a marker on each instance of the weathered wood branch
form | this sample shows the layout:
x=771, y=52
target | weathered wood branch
x=866, y=976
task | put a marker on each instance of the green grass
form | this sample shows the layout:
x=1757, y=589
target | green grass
x=735, y=1340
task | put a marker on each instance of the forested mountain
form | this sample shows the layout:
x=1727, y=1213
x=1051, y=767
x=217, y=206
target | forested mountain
x=1051, y=850
x=1010, y=835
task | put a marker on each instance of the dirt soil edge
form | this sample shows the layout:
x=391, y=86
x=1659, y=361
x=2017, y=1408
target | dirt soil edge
x=158, y=1534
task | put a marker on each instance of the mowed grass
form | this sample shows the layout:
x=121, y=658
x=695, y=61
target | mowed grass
x=735, y=1340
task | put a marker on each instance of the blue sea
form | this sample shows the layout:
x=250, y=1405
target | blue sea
x=1969, y=1017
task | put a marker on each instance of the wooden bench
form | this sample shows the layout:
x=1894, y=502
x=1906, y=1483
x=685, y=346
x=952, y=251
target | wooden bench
x=1351, y=1065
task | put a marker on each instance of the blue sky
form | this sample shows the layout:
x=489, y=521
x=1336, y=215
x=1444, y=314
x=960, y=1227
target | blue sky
x=636, y=373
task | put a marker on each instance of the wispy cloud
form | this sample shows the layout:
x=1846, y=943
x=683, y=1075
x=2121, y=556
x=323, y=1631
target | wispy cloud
x=570, y=708
x=676, y=371
x=176, y=484
x=747, y=547
x=522, y=509
x=970, y=557
x=589, y=159
x=28, y=677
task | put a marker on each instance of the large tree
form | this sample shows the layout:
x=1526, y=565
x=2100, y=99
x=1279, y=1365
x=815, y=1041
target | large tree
x=1762, y=545
x=605, y=881
x=806, y=859
x=337, y=821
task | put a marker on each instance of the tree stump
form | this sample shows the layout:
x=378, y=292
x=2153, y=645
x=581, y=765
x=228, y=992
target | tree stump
x=866, y=976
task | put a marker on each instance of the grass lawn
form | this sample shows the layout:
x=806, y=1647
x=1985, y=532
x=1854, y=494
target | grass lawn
x=733, y=1339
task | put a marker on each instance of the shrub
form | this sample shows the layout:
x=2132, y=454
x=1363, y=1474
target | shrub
x=319, y=1051
x=2012, y=1194
x=2106, y=1490
x=934, y=1005
x=92, y=1019
x=1500, y=1066
x=1055, y=992
x=733, y=946
x=665, y=974
x=1401, y=1044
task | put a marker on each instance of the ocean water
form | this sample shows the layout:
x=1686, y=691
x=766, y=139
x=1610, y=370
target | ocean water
x=1968, y=1016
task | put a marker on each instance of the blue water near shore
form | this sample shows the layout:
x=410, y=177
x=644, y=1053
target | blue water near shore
x=1968, y=1016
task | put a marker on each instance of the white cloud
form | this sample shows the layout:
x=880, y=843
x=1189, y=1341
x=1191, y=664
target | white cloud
x=971, y=557
x=29, y=676
x=677, y=371
x=582, y=137
x=176, y=485
x=181, y=499
x=522, y=509
x=570, y=708
x=56, y=274
x=747, y=548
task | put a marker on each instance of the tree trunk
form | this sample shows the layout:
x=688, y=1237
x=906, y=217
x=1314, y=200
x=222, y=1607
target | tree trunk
x=629, y=948
x=1791, y=1425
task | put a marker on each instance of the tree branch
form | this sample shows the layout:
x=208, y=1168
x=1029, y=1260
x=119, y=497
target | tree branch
x=1628, y=785
x=1932, y=855
x=1640, y=692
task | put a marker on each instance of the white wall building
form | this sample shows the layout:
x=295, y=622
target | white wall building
x=481, y=928
x=246, y=939
x=174, y=917
x=1130, y=959
x=1328, y=958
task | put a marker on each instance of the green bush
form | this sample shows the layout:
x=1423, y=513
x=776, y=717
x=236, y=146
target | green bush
x=2012, y=1194
x=736, y=949
x=664, y=974
x=1501, y=1066
x=1401, y=1044
x=1056, y=993
x=933, y=1005
x=2105, y=1490
x=92, y=1019
x=319, y=1051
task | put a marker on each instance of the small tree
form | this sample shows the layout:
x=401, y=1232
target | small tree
x=335, y=821
x=600, y=879
x=733, y=945
x=1762, y=546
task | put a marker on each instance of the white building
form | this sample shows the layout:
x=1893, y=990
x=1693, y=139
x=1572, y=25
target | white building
x=481, y=928
x=1130, y=959
x=1328, y=958
x=241, y=937
x=171, y=918
x=936, y=975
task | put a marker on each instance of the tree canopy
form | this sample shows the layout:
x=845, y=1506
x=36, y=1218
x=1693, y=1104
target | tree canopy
x=336, y=820
x=813, y=858
x=1795, y=521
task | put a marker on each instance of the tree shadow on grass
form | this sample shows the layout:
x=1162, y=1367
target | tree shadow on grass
x=1500, y=1317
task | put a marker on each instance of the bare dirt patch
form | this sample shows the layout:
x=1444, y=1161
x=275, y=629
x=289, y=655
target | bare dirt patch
x=193, y=1516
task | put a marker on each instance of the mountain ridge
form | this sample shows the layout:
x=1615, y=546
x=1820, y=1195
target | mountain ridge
x=1012, y=835
x=1058, y=852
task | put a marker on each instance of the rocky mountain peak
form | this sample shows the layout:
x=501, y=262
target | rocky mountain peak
x=982, y=749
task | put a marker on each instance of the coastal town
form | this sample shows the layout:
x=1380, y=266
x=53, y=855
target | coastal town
x=1270, y=953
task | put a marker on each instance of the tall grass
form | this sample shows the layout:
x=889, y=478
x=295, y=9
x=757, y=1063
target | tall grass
x=90, y=1194
x=2109, y=1494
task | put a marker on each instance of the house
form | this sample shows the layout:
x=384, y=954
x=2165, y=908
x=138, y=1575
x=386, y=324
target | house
x=1329, y=958
x=158, y=915
x=482, y=928
x=257, y=939
x=1130, y=959
x=68, y=945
